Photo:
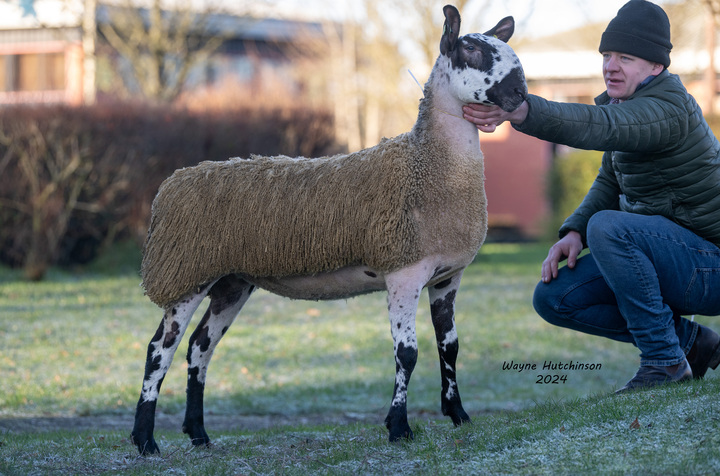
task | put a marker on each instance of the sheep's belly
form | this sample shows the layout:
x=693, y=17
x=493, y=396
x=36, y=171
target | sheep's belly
x=341, y=284
x=356, y=280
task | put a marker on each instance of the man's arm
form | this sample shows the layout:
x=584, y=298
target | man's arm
x=644, y=124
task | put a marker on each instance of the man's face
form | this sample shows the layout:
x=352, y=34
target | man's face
x=623, y=73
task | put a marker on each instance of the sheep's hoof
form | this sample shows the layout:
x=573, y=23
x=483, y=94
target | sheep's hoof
x=197, y=434
x=456, y=413
x=197, y=442
x=403, y=435
x=398, y=426
x=145, y=445
x=463, y=419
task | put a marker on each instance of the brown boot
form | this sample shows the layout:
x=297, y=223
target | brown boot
x=705, y=352
x=650, y=376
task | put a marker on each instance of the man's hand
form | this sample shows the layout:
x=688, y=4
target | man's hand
x=487, y=118
x=568, y=247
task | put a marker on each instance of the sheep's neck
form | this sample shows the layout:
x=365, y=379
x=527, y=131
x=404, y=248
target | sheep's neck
x=448, y=113
x=434, y=106
x=446, y=118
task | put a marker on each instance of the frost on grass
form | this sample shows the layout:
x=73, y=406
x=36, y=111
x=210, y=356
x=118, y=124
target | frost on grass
x=620, y=434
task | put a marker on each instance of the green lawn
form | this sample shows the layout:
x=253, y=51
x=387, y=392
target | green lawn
x=74, y=346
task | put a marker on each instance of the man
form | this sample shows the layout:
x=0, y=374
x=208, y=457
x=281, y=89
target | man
x=652, y=217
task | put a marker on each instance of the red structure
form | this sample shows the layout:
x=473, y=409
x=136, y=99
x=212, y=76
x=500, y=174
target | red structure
x=516, y=167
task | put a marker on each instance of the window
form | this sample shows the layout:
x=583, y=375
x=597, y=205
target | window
x=32, y=72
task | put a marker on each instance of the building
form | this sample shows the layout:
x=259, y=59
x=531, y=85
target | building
x=39, y=64
x=43, y=58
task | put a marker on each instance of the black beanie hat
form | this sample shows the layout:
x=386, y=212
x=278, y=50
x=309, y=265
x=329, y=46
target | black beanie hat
x=640, y=29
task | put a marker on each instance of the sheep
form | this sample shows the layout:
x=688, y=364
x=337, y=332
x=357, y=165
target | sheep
x=403, y=215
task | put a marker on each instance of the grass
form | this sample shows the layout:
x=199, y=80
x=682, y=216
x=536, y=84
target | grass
x=73, y=348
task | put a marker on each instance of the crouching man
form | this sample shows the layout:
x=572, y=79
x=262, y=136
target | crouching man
x=652, y=217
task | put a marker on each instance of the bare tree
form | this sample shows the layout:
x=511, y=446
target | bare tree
x=162, y=44
x=54, y=170
x=711, y=26
x=383, y=70
x=713, y=7
x=89, y=41
x=344, y=93
x=427, y=21
x=361, y=66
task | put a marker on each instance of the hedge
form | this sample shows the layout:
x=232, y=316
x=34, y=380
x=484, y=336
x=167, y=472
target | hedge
x=73, y=179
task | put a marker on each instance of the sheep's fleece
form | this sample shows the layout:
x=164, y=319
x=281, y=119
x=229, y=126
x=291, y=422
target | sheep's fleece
x=282, y=216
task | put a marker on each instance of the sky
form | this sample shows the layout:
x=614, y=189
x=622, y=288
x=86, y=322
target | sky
x=548, y=16
x=534, y=18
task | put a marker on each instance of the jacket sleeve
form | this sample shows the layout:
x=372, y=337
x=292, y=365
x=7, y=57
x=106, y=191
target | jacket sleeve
x=642, y=124
x=603, y=195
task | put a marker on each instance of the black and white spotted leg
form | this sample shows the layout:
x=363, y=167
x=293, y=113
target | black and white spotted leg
x=403, y=296
x=160, y=352
x=227, y=297
x=442, y=310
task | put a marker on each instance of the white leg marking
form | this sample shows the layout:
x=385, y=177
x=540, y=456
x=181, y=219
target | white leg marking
x=217, y=324
x=404, y=287
x=175, y=323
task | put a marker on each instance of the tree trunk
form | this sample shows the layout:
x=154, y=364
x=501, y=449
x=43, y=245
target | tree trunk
x=710, y=75
x=89, y=37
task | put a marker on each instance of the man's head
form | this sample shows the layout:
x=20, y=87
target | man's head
x=635, y=42
x=623, y=73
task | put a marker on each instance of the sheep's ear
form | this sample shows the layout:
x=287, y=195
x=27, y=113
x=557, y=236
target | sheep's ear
x=503, y=30
x=451, y=28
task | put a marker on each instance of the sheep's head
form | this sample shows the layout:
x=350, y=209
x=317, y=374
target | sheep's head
x=482, y=67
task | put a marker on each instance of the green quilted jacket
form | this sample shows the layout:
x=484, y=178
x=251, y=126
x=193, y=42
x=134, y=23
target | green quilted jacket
x=660, y=156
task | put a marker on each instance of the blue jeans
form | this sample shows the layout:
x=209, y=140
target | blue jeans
x=642, y=274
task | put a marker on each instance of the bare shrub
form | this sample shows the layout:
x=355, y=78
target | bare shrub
x=73, y=179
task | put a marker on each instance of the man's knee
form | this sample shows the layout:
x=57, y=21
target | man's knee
x=543, y=302
x=601, y=226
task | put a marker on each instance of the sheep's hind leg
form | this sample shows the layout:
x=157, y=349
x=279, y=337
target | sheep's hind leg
x=442, y=310
x=160, y=353
x=403, y=296
x=227, y=297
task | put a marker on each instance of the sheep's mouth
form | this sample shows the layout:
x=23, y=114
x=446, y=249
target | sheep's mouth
x=509, y=93
x=514, y=102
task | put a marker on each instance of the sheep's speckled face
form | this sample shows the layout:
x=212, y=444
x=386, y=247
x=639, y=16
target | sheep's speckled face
x=485, y=70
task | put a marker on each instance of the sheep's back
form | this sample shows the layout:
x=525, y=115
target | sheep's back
x=280, y=216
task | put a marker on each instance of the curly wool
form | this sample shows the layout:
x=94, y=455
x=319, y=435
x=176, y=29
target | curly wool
x=281, y=216
x=384, y=207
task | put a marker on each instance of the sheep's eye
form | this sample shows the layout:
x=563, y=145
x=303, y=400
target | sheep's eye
x=470, y=48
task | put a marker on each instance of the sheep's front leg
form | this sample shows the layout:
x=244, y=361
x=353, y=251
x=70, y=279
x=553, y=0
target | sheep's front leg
x=442, y=310
x=403, y=296
x=227, y=297
x=160, y=352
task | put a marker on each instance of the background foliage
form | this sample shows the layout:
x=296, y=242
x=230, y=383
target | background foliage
x=570, y=177
x=72, y=179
